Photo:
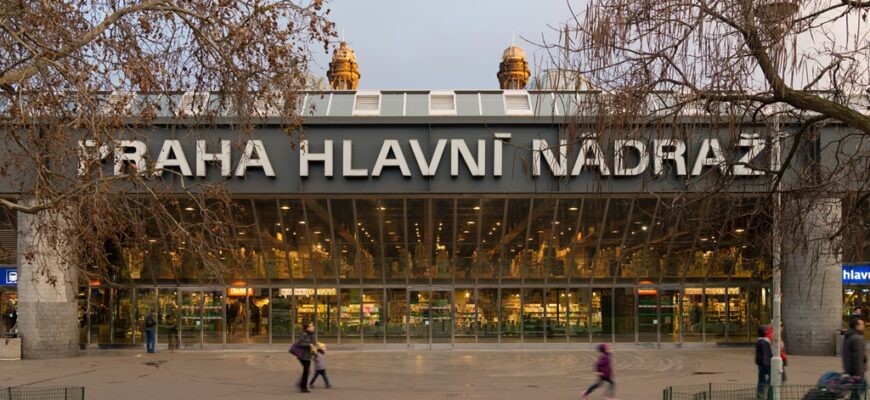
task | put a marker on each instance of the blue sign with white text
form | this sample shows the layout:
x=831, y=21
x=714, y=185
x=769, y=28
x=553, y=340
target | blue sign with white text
x=856, y=274
x=8, y=276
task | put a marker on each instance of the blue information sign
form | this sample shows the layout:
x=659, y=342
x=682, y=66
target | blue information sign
x=856, y=274
x=8, y=276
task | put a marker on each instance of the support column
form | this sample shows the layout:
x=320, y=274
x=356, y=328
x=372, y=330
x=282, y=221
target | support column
x=812, y=289
x=47, y=319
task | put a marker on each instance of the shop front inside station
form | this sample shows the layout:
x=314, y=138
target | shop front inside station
x=434, y=271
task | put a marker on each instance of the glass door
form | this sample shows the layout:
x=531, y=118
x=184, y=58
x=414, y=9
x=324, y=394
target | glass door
x=431, y=318
x=213, y=317
x=144, y=304
x=418, y=321
x=190, y=320
x=168, y=317
x=442, y=316
x=669, y=316
x=647, y=315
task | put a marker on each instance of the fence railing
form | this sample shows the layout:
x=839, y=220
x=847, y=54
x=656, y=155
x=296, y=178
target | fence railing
x=42, y=393
x=725, y=391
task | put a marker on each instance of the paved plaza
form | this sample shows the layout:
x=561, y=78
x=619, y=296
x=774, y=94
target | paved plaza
x=362, y=375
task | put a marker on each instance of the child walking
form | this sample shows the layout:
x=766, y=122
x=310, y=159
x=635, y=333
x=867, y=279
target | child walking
x=604, y=371
x=320, y=365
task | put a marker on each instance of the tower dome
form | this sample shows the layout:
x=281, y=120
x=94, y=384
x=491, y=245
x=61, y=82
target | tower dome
x=343, y=70
x=513, y=72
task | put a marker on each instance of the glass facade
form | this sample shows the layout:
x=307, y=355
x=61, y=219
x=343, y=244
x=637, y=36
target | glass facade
x=452, y=270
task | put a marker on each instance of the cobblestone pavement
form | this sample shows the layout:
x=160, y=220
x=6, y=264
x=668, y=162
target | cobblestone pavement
x=363, y=375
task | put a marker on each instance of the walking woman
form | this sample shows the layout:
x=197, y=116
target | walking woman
x=304, y=344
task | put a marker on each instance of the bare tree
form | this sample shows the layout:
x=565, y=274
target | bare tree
x=794, y=74
x=77, y=77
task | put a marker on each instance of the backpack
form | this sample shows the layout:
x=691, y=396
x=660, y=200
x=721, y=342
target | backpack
x=149, y=321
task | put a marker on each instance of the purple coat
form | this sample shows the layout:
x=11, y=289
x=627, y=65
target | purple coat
x=603, y=367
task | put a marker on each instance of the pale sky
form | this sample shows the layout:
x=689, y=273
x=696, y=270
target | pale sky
x=444, y=44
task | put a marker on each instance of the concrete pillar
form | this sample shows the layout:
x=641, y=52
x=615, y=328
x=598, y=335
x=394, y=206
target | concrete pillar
x=812, y=288
x=47, y=313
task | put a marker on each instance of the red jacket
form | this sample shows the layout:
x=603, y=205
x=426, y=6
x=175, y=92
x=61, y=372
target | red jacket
x=769, y=335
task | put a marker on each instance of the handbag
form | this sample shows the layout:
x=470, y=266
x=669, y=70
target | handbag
x=297, y=350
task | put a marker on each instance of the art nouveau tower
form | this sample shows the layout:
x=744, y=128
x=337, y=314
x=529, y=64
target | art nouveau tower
x=513, y=72
x=343, y=71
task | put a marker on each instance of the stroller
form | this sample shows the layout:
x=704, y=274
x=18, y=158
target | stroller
x=833, y=386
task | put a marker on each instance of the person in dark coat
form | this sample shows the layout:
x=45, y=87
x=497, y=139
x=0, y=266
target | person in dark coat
x=604, y=370
x=763, y=354
x=305, y=342
x=150, y=327
x=854, y=355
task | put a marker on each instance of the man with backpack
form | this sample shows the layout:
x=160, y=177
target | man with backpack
x=150, y=326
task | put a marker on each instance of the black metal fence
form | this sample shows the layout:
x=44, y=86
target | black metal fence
x=724, y=391
x=42, y=393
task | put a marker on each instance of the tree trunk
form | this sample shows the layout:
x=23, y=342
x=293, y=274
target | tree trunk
x=812, y=288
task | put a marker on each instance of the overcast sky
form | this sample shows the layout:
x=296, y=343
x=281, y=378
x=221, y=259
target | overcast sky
x=444, y=44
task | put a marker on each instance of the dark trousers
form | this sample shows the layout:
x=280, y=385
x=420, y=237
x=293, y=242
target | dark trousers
x=149, y=340
x=303, y=380
x=610, y=386
x=763, y=382
x=858, y=389
x=319, y=372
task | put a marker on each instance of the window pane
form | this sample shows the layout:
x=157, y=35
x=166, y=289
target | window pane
x=670, y=315
x=601, y=323
x=624, y=308
x=579, y=313
x=322, y=263
x=212, y=316
x=486, y=259
x=368, y=214
x=541, y=250
x=100, y=316
x=468, y=215
x=511, y=316
x=346, y=243
x=237, y=314
x=259, y=316
x=533, y=315
x=144, y=305
x=418, y=327
x=518, y=259
x=640, y=260
x=445, y=232
x=442, y=316
x=305, y=312
x=420, y=239
x=465, y=316
x=167, y=325
x=281, y=315
x=351, y=300
x=557, y=312
x=716, y=317
x=692, y=314
x=738, y=316
x=373, y=316
x=488, y=314
x=327, y=315
x=397, y=257
x=610, y=253
x=396, y=315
